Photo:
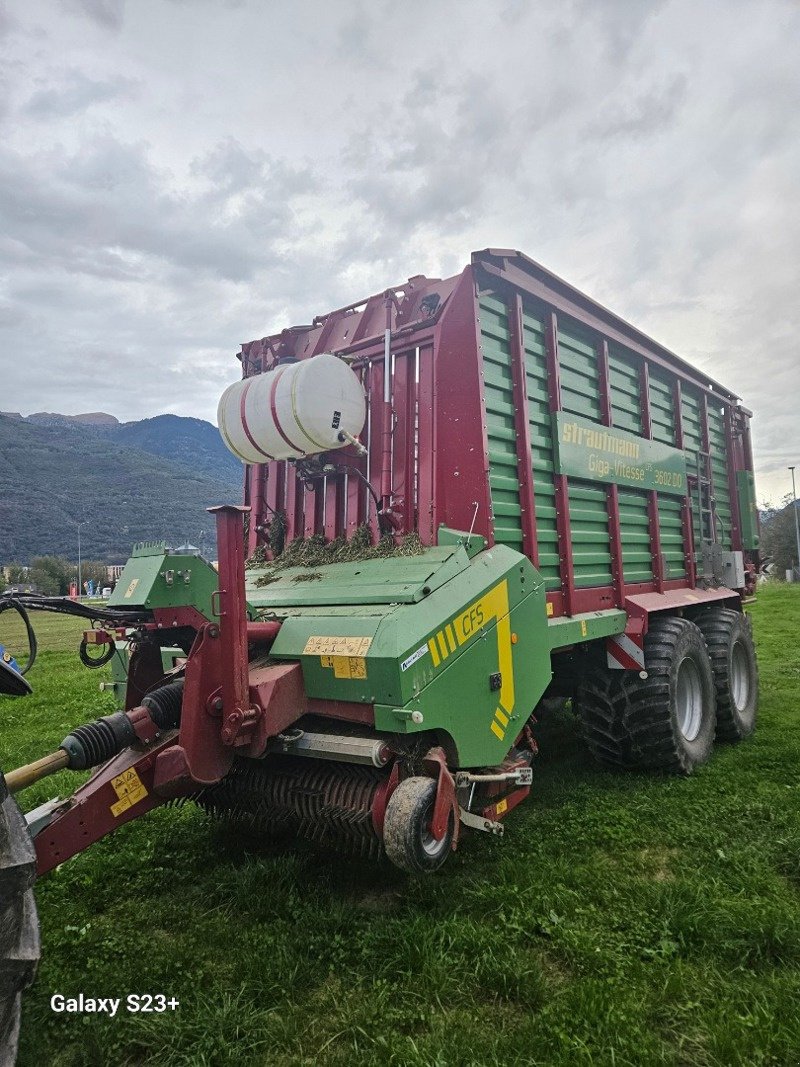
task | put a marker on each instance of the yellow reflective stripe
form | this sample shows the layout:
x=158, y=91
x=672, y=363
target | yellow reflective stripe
x=500, y=734
x=501, y=718
x=451, y=638
x=442, y=645
x=434, y=652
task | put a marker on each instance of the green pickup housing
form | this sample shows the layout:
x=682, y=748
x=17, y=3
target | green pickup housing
x=439, y=641
x=154, y=577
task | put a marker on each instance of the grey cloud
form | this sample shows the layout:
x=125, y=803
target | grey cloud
x=108, y=203
x=645, y=115
x=76, y=93
x=233, y=169
x=107, y=13
x=7, y=22
x=620, y=24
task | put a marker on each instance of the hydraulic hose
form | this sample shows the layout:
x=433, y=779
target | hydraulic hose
x=14, y=605
x=95, y=661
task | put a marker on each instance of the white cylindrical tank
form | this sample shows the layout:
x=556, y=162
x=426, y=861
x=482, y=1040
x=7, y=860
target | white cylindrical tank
x=295, y=410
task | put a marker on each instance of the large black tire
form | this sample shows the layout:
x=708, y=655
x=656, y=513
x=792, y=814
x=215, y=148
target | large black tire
x=407, y=838
x=733, y=660
x=663, y=722
x=19, y=924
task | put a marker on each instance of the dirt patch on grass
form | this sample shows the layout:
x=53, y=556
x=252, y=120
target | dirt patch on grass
x=658, y=863
x=377, y=903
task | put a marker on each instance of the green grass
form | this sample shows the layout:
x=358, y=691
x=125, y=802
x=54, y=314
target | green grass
x=623, y=920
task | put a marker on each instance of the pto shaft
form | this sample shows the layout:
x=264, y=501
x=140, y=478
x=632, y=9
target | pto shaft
x=22, y=777
x=95, y=742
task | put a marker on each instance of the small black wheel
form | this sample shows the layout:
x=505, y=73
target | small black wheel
x=665, y=721
x=733, y=660
x=407, y=835
x=19, y=924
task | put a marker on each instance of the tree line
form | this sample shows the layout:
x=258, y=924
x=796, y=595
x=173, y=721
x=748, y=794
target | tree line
x=53, y=575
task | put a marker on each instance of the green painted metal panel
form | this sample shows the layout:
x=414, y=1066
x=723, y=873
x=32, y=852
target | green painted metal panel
x=153, y=577
x=499, y=402
x=435, y=656
x=672, y=547
x=662, y=407
x=391, y=580
x=578, y=371
x=588, y=516
x=637, y=559
x=541, y=431
x=587, y=450
x=589, y=626
x=748, y=512
x=625, y=387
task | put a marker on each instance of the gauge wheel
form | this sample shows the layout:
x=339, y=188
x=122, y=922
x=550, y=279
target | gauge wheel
x=407, y=835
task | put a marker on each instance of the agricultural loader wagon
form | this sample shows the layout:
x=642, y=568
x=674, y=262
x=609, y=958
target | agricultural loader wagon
x=466, y=500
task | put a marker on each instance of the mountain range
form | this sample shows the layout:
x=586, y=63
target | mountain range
x=123, y=482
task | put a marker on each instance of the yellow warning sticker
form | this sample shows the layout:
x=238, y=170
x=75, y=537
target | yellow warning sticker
x=502, y=805
x=337, y=646
x=549, y=610
x=345, y=666
x=130, y=790
x=584, y=628
x=129, y=591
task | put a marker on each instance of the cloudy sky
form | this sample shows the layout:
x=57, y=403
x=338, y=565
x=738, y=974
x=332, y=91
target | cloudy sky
x=178, y=176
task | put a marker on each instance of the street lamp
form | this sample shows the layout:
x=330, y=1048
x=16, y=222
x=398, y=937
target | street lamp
x=80, y=585
x=796, y=520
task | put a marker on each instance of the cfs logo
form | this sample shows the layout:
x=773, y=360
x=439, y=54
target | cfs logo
x=472, y=620
x=491, y=606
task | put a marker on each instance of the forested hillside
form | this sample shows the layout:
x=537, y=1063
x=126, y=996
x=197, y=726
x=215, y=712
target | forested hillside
x=131, y=482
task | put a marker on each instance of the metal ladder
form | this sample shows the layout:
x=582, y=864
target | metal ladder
x=705, y=498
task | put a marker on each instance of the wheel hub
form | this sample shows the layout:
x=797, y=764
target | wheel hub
x=740, y=677
x=689, y=700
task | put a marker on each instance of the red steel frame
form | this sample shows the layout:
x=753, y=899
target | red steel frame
x=433, y=457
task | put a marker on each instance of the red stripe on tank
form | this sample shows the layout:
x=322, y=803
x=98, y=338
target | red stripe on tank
x=273, y=408
x=245, y=427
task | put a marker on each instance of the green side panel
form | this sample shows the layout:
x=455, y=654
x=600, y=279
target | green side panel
x=461, y=699
x=625, y=388
x=662, y=407
x=155, y=578
x=671, y=526
x=498, y=391
x=718, y=451
x=588, y=516
x=637, y=561
x=589, y=626
x=578, y=371
x=541, y=431
x=748, y=511
x=475, y=644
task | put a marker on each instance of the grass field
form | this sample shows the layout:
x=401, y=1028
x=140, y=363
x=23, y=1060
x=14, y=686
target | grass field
x=623, y=920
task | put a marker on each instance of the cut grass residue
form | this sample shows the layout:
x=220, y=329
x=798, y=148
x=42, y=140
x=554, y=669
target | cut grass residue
x=318, y=551
x=623, y=919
